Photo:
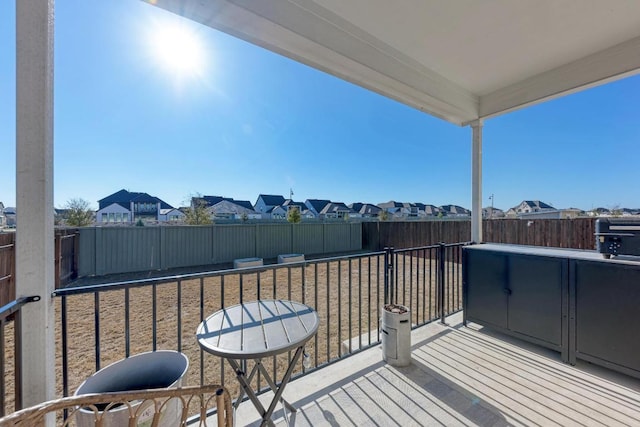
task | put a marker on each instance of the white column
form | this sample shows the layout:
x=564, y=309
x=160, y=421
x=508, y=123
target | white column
x=34, y=195
x=476, y=182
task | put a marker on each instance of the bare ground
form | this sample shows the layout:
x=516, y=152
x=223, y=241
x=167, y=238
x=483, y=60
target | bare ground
x=342, y=293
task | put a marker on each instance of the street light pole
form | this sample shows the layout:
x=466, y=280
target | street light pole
x=491, y=214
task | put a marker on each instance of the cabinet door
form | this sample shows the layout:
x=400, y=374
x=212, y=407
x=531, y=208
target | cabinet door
x=535, y=304
x=607, y=308
x=486, y=282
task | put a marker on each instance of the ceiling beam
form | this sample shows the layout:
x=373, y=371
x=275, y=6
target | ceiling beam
x=611, y=64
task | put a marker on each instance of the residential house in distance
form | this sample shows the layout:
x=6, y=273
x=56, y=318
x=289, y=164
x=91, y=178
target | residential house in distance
x=233, y=209
x=599, y=212
x=492, y=213
x=529, y=206
x=431, y=211
x=172, y=215
x=305, y=213
x=124, y=207
x=208, y=200
x=266, y=202
x=399, y=210
x=455, y=211
x=553, y=214
x=630, y=212
x=10, y=216
x=366, y=210
x=337, y=210
x=393, y=208
x=278, y=212
x=316, y=206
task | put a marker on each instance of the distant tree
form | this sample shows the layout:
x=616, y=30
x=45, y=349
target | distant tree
x=78, y=213
x=244, y=217
x=616, y=210
x=383, y=215
x=139, y=223
x=197, y=213
x=293, y=215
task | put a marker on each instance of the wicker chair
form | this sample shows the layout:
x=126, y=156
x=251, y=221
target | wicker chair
x=139, y=408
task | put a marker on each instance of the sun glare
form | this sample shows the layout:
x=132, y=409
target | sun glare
x=178, y=50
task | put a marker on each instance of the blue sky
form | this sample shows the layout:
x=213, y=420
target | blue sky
x=248, y=122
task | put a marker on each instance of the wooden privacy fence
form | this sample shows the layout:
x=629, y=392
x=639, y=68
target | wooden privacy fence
x=66, y=261
x=575, y=233
x=7, y=268
x=66, y=255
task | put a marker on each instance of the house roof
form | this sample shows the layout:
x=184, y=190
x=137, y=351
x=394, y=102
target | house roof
x=124, y=197
x=335, y=208
x=271, y=200
x=369, y=209
x=244, y=203
x=210, y=200
x=459, y=60
x=536, y=204
x=229, y=207
x=390, y=204
x=455, y=209
x=317, y=204
x=431, y=209
x=168, y=211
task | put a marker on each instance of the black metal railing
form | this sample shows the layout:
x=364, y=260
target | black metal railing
x=10, y=314
x=101, y=324
x=426, y=279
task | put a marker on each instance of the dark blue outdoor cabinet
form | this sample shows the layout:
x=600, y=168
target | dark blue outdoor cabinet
x=573, y=301
x=607, y=314
x=518, y=290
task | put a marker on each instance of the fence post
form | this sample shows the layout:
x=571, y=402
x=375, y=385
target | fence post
x=441, y=272
x=76, y=253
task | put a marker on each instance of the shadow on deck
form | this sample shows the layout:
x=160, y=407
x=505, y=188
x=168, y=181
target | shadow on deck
x=460, y=376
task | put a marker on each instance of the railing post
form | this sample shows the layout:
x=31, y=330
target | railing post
x=441, y=272
x=388, y=275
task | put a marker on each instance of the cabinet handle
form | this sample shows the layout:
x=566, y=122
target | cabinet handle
x=507, y=291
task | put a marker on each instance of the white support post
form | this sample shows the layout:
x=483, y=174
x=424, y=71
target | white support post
x=476, y=182
x=34, y=196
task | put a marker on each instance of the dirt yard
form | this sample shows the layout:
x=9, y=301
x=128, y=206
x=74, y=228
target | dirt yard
x=346, y=293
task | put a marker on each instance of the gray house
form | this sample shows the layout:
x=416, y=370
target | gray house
x=232, y=209
x=529, y=206
x=316, y=206
x=366, y=210
x=266, y=202
x=455, y=211
x=337, y=210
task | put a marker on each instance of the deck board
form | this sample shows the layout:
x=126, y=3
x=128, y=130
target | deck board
x=460, y=376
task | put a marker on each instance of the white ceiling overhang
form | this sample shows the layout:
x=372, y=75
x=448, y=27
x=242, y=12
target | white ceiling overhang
x=459, y=60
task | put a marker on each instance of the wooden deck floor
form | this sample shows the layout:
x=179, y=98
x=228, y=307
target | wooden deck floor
x=460, y=376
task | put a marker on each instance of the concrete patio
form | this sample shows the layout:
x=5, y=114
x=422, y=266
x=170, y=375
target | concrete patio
x=460, y=376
